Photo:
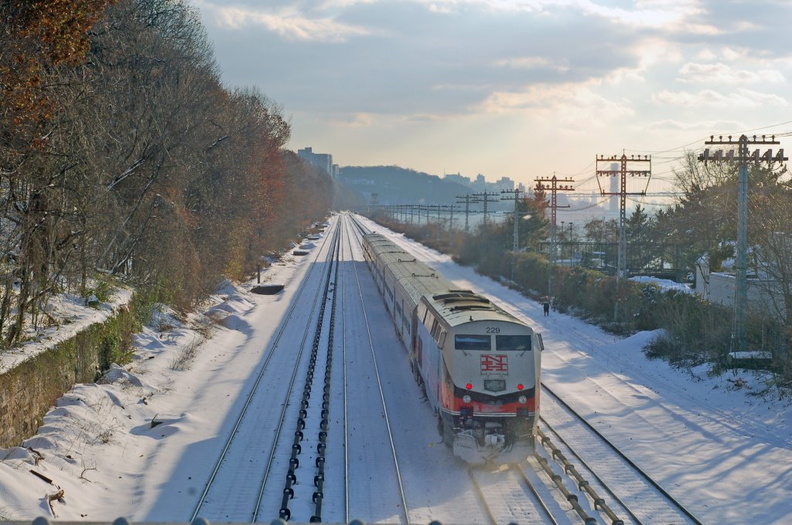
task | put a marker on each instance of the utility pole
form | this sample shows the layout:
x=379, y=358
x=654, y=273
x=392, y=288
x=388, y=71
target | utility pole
x=450, y=209
x=554, y=189
x=622, y=171
x=485, y=198
x=515, y=243
x=743, y=157
x=467, y=201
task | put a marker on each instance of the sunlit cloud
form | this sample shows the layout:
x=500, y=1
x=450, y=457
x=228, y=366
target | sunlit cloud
x=572, y=102
x=741, y=98
x=691, y=125
x=288, y=23
x=354, y=120
x=651, y=53
x=720, y=73
x=530, y=63
x=671, y=15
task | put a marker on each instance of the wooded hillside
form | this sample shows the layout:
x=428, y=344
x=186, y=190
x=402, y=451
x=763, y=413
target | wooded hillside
x=122, y=154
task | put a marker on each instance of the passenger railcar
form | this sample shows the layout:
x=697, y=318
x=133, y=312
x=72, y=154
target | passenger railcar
x=478, y=365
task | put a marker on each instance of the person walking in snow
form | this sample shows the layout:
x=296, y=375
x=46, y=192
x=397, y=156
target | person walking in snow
x=546, y=306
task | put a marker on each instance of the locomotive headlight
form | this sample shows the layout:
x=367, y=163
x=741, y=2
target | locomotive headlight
x=466, y=398
x=522, y=400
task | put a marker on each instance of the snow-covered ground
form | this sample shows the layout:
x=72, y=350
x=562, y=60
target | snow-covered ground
x=722, y=451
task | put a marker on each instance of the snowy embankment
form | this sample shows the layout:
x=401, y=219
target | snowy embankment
x=109, y=449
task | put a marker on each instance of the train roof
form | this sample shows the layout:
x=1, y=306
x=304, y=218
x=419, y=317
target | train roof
x=417, y=278
x=464, y=306
x=421, y=280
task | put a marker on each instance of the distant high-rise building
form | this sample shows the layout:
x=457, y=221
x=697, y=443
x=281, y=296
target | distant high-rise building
x=505, y=184
x=322, y=160
x=614, y=188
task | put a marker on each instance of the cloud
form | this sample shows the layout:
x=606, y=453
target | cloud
x=288, y=23
x=741, y=98
x=570, y=102
x=720, y=73
x=353, y=120
x=533, y=62
x=692, y=125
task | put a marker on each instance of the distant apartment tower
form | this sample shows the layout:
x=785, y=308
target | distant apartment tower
x=614, y=188
x=322, y=160
x=504, y=184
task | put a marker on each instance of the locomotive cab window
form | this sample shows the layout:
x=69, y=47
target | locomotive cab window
x=472, y=342
x=518, y=343
x=435, y=329
x=421, y=312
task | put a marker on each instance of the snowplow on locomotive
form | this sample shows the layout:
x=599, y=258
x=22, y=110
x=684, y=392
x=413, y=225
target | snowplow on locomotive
x=478, y=365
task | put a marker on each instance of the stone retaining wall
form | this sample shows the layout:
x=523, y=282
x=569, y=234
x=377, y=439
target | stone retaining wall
x=30, y=389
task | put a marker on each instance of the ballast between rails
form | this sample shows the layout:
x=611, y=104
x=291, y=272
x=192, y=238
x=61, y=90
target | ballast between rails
x=303, y=419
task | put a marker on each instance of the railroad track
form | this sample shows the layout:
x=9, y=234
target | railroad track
x=308, y=446
x=509, y=496
x=286, y=454
x=240, y=481
x=634, y=495
x=376, y=446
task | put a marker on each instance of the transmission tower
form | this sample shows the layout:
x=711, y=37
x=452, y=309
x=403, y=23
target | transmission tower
x=619, y=167
x=743, y=157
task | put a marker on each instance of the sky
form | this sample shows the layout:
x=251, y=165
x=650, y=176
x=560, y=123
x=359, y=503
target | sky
x=521, y=89
x=720, y=449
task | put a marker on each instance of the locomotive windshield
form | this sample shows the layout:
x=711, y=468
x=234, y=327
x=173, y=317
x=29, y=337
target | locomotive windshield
x=472, y=342
x=519, y=343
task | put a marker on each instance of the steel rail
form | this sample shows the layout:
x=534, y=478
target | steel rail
x=344, y=379
x=548, y=515
x=481, y=496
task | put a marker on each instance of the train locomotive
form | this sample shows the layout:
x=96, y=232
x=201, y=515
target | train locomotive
x=478, y=365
